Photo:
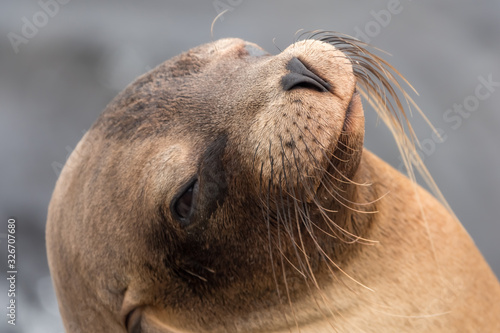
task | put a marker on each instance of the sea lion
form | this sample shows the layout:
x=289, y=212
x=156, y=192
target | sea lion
x=228, y=190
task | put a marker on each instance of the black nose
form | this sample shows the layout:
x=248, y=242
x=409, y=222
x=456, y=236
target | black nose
x=301, y=77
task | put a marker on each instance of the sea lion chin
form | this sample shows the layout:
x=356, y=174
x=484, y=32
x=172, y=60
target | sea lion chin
x=227, y=190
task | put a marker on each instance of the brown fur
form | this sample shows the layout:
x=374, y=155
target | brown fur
x=297, y=228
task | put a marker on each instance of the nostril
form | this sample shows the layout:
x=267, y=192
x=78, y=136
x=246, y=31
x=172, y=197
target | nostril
x=301, y=77
x=294, y=80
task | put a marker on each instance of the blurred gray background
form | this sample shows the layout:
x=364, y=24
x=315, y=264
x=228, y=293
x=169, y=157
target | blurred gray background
x=57, y=78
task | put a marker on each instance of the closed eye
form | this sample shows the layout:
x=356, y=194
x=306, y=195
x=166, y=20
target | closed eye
x=184, y=203
x=133, y=321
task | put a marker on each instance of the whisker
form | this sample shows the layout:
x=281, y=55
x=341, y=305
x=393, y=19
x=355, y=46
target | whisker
x=195, y=275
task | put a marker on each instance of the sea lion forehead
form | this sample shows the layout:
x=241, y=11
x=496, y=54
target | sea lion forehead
x=236, y=46
x=201, y=56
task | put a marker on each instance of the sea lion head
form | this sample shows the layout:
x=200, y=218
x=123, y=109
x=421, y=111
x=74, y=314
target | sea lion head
x=214, y=192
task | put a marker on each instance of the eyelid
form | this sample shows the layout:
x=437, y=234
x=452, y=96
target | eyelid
x=194, y=184
x=133, y=321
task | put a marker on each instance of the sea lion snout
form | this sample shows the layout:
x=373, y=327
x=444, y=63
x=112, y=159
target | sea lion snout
x=325, y=67
x=298, y=131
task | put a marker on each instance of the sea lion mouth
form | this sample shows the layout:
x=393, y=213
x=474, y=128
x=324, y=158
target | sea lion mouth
x=350, y=112
x=342, y=155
